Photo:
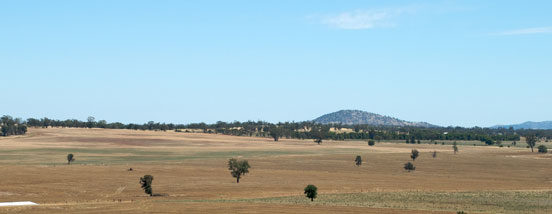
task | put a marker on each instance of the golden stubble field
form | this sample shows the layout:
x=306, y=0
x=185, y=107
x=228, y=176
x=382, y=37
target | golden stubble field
x=191, y=169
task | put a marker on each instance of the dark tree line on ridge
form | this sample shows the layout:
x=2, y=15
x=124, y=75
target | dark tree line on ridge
x=303, y=130
x=10, y=126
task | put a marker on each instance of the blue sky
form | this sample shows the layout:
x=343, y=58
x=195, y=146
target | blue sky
x=465, y=63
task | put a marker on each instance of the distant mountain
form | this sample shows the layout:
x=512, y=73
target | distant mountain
x=528, y=125
x=354, y=117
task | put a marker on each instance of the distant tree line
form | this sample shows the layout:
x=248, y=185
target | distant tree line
x=10, y=126
x=295, y=130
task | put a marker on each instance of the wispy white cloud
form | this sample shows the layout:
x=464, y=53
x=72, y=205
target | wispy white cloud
x=363, y=19
x=537, y=30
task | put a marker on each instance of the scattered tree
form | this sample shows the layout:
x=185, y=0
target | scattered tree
x=414, y=154
x=455, y=147
x=434, y=155
x=358, y=160
x=91, y=122
x=238, y=168
x=146, y=184
x=319, y=133
x=70, y=158
x=409, y=167
x=531, y=141
x=311, y=191
x=276, y=133
x=542, y=149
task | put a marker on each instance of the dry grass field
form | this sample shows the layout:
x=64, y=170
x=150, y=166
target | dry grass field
x=191, y=169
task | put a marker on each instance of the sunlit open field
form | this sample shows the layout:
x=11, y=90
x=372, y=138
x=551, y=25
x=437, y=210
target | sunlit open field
x=191, y=169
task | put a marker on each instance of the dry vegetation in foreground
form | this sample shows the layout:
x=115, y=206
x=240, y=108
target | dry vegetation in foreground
x=192, y=170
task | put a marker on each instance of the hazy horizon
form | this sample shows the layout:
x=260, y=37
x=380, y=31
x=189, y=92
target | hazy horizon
x=460, y=63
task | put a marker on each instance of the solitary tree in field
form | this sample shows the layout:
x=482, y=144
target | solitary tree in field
x=238, y=168
x=434, y=155
x=414, y=154
x=358, y=160
x=455, y=147
x=409, y=167
x=531, y=141
x=70, y=158
x=311, y=191
x=146, y=184
x=542, y=149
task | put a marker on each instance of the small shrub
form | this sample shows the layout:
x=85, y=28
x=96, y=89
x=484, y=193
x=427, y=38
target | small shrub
x=542, y=149
x=409, y=167
x=358, y=160
x=454, y=147
x=70, y=159
x=371, y=143
x=414, y=154
x=442, y=143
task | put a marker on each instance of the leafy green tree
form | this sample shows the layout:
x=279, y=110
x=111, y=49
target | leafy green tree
x=455, y=147
x=238, y=168
x=319, y=133
x=146, y=182
x=70, y=159
x=409, y=167
x=542, y=149
x=10, y=126
x=311, y=192
x=414, y=154
x=91, y=122
x=358, y=160
x=276, y=133
x=531, y=141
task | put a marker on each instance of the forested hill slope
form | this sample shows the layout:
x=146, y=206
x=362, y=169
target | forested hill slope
x=355, y=117
x=528, y=125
